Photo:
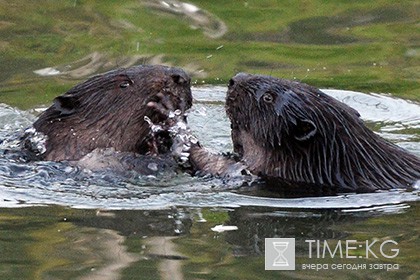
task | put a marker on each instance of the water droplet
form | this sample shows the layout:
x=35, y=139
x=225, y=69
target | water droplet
x=153, y=166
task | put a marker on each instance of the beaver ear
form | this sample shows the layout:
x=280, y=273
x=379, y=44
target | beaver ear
x=305, y=129
x=65, y=104
x=178, y=79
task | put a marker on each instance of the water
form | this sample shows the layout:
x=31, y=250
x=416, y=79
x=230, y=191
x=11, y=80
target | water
x=59, y=222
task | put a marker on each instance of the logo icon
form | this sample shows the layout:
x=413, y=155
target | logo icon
x=279, y=254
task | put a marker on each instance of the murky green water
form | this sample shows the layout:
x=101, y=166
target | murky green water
x=59, y=223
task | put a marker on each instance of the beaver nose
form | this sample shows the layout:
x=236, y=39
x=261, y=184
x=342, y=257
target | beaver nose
x=180, y=77
x=238, y=78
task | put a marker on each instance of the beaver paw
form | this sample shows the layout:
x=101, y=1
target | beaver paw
x=34, y=142
x=177, y=129
x=164, y=106
x=183, y=140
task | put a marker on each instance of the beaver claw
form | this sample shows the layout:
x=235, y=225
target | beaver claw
x=164, y=105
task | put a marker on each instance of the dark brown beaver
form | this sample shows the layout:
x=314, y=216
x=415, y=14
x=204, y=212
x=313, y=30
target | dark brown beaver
x=295, y=136
x=109, y=110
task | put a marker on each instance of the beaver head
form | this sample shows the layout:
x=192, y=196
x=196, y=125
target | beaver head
x=109, y=110
x=299, y=135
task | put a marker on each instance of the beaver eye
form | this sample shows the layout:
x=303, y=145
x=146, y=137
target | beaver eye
x=125, y=84
x=268, y=98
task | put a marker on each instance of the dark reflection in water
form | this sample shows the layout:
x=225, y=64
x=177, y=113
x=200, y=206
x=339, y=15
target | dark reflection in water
x=330, y=30
x=171, y=222
x=333, y=29
x=179, y=243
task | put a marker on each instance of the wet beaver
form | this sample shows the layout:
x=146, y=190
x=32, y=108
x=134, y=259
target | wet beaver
x=296, y=137
x=108, y=112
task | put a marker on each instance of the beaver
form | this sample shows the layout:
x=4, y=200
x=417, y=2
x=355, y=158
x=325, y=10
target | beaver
x=295, y=137
x=108, y=111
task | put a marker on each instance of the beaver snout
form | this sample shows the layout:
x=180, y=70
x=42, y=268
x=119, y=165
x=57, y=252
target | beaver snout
x=238, y=78
x=232, y=93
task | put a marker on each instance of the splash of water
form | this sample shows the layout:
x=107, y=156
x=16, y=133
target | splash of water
x=45, y=183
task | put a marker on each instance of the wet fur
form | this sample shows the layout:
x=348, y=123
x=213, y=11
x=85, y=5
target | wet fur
x=297, y=137
x=108, y=110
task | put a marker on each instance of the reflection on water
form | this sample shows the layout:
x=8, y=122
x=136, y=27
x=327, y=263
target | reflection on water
x=92, y=254
x=337, y=29
x=179, y=243
x=95, y=63
x=169, y=266
x=198, y=18
x=361, y=46
x=99, y=62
